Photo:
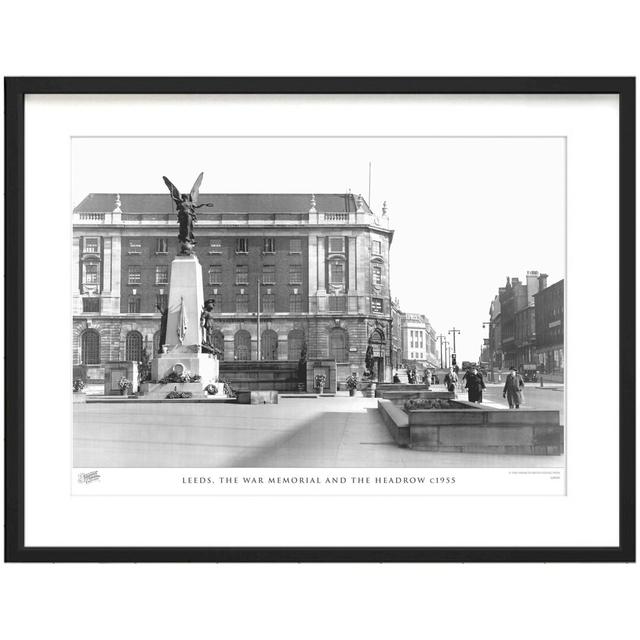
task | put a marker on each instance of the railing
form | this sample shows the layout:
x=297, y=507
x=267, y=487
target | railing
x=91, y=217
x=336, y=217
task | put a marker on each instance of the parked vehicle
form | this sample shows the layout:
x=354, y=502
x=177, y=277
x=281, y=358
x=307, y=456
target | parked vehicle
x=529, y=372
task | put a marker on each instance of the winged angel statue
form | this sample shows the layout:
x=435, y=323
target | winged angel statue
x=186, y=205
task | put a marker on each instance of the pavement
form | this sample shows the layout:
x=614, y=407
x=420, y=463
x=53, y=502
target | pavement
x=298, y=432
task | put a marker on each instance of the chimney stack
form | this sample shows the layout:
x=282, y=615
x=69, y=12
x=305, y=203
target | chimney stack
x=542, y=279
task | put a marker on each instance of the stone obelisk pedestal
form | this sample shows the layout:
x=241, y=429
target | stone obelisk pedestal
x=182, y=350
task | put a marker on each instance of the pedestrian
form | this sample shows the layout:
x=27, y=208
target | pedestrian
x=474, y=383
x=396, y=377
x=427, y=378
x=513, y=387
x=450, y=380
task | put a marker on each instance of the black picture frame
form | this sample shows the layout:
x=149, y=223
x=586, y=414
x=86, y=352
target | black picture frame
x=15, y=91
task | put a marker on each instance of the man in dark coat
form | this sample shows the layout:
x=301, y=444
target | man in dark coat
x=513, y=387
x=474, y=383
x=451, y=380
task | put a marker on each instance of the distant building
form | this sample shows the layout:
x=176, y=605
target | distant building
x=495, y=334
x=418, y=341
x=549, y=303
x=322, y=263
x=517, y=323
x=526, y=325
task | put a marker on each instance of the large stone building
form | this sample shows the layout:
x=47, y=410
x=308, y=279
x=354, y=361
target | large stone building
x=517, y=320
x=319, y=264
x=549, y=321
x=526, y=325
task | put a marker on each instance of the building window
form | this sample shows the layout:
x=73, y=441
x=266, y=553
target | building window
x=338, y=345
x=295, y=245
x=134, y=304
x=217, y=302
x=336, y=245
x=295, y=274
x=269, y=345
x=135, y=275
x=215, y=274
x=295, y=339
x=162, y=245
x=336, y=272
x=215, y=245
x=161, y=301
x=268, y=274
x=377, y=275
x=338, y=303
x=376, y=248
x=242, y=345
x=90, y=347
x=133, y=345
x=91, y=305
x=376, y=305
x=242, y=274
x=242, y=245
x=269, y=245
x=135, y=246
x=91, y=272
x=268, y=303
x=91, y=245
x=242, y=303
x=162, y=274
x=295, y=303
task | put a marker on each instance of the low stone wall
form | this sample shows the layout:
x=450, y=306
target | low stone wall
x=476, y=429
x=257, y=397
x=264, y=375
x=397, y=422
x=385, y=387
x=400, y=397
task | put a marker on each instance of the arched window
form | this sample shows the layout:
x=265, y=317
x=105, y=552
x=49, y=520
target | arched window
x=133, y=345
x=218, y=343
x=90, y=347
x=377, y=337
x=294, y=343
x=338, y=345
x=242, y=345
x=156, y=343
x=269, y=345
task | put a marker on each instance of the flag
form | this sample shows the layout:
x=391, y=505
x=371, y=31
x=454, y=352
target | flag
x=182, y=321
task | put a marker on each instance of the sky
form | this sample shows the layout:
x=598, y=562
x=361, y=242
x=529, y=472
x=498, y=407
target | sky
x=466, y=212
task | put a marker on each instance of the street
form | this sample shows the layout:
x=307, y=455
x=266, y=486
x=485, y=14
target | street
x=304, y=432
x=535, y=397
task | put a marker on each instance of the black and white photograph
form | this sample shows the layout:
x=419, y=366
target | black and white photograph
x=295, y=302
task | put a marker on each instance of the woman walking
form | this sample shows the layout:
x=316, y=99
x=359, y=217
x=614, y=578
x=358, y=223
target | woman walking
x=474, y=384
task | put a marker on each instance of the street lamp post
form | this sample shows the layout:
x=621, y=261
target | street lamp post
x=454, y=331
x=441, y=338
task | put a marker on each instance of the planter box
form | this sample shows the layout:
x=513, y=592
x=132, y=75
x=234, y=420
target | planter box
x=475, y=429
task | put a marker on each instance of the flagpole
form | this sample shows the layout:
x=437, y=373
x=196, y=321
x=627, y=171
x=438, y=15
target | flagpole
x=258, y=317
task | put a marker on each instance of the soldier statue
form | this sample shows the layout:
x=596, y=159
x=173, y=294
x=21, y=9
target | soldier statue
x=207, y=323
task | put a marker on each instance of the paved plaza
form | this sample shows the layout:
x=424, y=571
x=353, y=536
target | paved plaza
x=298, y=432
